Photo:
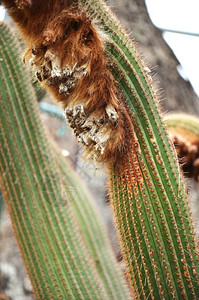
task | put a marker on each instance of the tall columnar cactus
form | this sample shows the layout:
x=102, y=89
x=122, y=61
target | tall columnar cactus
x=85, y=58
x=148, y=195
x=47, y=204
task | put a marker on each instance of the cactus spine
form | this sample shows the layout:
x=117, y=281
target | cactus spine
x=60, y=262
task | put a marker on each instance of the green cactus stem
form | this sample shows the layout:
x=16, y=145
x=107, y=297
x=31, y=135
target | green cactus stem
x=92, y=227
x=148, y=195
x=58, y=259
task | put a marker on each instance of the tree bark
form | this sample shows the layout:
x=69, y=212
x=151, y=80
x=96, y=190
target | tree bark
x=176, y=93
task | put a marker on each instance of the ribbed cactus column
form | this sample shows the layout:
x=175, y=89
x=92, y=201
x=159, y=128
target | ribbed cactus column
x=49, y=239
x=93, y=231
x=148, y=196
x=60, y=262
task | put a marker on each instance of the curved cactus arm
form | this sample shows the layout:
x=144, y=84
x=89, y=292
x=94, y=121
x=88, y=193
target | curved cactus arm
x=55, y=255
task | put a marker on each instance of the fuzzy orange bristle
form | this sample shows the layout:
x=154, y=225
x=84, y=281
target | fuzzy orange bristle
x=66, y=50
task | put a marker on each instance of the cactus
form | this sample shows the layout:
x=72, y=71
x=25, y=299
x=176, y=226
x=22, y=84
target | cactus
x=46, y=216
x=92, y=229
x=148, y=195
x=185, y=125
x=146, y=188
x=184, y=131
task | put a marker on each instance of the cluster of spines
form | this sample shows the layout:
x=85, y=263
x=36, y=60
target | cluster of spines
x=161, y=192
x=68, y=56
x=55, y=255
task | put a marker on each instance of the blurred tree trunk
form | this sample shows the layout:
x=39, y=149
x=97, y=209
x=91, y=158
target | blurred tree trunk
x=178, y=94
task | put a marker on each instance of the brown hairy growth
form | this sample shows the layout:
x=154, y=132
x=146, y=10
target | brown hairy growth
x=66, y=51
x=188, y=155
